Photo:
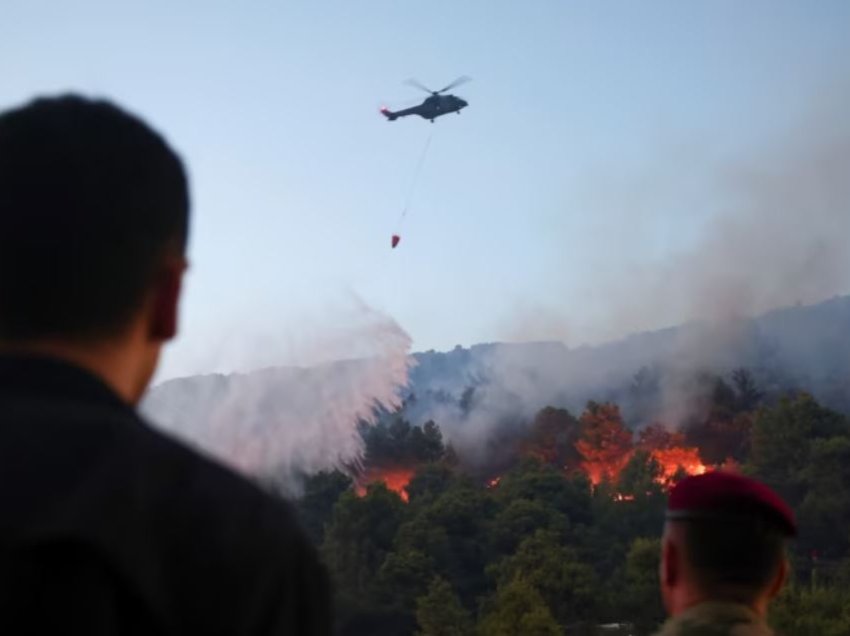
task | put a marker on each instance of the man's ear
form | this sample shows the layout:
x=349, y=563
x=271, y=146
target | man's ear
x=669, y=571
x=166, y=301
x=781, y=577
x=671, y=564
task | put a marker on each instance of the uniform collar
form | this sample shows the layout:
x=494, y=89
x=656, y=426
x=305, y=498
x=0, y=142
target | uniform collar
x=718, y=615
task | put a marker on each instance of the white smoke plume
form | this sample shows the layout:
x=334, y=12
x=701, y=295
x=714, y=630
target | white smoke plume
x=775, y=232
x=778, y=231
x=281, y=421
x=781, y=237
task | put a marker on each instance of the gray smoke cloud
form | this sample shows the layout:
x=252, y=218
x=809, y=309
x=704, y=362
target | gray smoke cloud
x=781, y=237
x=775, y=232
x=283, y=421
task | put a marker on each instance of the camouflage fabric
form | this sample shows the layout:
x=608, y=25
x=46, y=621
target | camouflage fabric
x=716, y=619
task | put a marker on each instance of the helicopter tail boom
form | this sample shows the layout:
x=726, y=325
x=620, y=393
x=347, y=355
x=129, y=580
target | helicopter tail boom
x=392, y=115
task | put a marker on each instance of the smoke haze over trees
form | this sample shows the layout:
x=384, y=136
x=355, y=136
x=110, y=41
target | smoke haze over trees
x=509, y=487
x=267, y=420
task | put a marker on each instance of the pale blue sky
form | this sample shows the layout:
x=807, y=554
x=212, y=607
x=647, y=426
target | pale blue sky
x=298, y=182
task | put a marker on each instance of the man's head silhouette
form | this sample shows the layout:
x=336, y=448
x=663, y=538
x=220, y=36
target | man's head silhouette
x=724, y=542
x=94, y=211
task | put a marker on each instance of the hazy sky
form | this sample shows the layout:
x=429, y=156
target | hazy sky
x=298, y=182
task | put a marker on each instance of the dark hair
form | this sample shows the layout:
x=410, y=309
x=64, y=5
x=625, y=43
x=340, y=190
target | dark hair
x=91, y=199
x=736, y=556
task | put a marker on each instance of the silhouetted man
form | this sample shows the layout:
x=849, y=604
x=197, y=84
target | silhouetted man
x=723, y=555
x=107, y=526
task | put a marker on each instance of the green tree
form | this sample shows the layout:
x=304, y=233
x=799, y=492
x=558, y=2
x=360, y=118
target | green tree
x=517, y=608
x=631, y=507
x=724, y=401
x=569, y=587
x=551, y=439
x=640, y=500
x=639, y=477
x=452, y=531
x=520, y=518
x=359, y=537
x=825, y=510
x=426, y=442
x=782, y=439
x=397, y=442
x=721, y=438
x=748, y=394
x=642, y=587
x=533, y=481
x=820, y=610
x=314, y=507
x=429, y=482
x=439, y=612
x=402, y=579
x=467, y=400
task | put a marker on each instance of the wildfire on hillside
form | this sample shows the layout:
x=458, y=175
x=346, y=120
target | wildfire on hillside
x=605, y=444
x=396, y=479
x=672, y=461
x=599, y=471
x=602, y=451
x=671, y=453
x=677, y=459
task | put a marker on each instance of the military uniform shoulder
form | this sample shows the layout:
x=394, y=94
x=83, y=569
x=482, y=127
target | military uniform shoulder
x=716, y=619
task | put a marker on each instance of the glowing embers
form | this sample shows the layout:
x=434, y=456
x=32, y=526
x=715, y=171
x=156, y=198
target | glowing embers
x=395, y=479
x=677, y=460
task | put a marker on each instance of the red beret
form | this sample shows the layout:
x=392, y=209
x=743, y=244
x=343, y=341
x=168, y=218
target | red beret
x=718, y=492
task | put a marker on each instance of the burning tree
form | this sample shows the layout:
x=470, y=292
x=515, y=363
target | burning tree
x=657, y=435
x=552, y=439
x=395, y=450
x=605, y=444
x=394, y=478
x=670, y=452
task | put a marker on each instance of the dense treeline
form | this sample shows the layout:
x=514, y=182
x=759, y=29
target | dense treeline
x=539, y=549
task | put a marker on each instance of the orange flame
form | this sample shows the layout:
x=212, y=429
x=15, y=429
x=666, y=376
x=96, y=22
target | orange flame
x=396, y=479
x=597, y=471
x=672, y=460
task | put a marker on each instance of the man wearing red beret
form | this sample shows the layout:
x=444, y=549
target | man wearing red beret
x=723, y=555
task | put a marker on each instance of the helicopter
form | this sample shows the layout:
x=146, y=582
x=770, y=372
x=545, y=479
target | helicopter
x=434, y=106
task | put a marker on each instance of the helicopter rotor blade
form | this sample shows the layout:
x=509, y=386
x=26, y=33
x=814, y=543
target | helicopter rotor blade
x=419, y=85
x=460, y=80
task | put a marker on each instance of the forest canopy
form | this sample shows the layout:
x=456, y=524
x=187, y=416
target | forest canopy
x=559, y=534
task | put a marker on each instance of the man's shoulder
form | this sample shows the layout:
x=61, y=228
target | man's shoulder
x=247, y=541
x=203, y=492
x=716, y=619
x=197, y=542
x=124, y=472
